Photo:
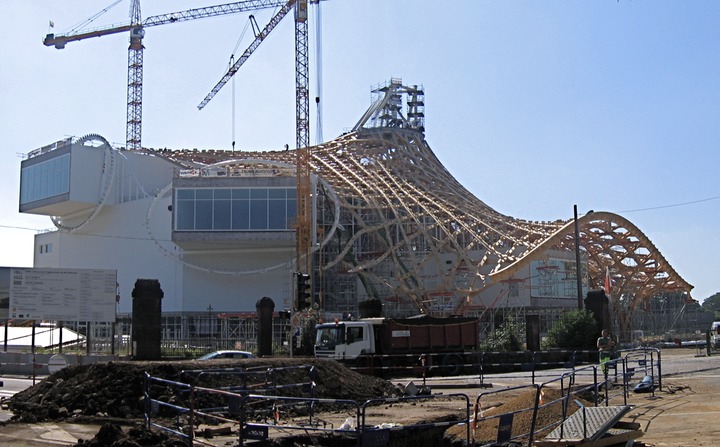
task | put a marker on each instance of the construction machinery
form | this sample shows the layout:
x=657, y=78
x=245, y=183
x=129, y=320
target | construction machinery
x=137, y=26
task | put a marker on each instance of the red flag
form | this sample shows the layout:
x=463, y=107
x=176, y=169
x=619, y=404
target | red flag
x=607, y=280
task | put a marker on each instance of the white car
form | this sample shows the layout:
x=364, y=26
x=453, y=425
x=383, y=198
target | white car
x=227, y=355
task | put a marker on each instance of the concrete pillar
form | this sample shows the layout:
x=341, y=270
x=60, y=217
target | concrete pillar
x=147, y=319
x=532, y=332
x=265, y=308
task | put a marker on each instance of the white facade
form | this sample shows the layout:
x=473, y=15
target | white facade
x=127, y=226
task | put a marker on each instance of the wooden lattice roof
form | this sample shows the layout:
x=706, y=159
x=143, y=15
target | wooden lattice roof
x=408, y=212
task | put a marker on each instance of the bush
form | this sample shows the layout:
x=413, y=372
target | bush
x=576, y=329
x=309, y=318
x=505, y=337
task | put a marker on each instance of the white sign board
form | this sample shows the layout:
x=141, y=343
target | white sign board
x=63, y=294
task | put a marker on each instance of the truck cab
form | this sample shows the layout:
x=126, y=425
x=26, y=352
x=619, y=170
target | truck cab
x=344, y=340
x=715, y=334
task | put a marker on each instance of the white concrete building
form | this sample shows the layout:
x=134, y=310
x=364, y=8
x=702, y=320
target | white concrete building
x=114, y=210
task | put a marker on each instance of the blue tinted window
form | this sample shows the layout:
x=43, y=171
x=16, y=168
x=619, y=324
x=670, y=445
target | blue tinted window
x=185, y=193
x=259, y=193
x=277, y=193
x=204, y=194
x=185, y=215
x=240, y=193
x=46, y=179
x=239, y=209
x=203, y=215
x=221, y=215
x=221, y=193
x=258, y=215
x=240, y=214
x=291, y=213
x=276, y=214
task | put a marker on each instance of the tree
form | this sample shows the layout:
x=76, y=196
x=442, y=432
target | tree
x=505, y=337
x=576, y=329
x=712, y=303
x=308, y=320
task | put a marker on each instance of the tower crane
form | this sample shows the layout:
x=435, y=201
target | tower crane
x=137, y=26
x=303, y=239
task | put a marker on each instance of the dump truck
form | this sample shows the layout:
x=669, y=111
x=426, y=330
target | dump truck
x=391, y=346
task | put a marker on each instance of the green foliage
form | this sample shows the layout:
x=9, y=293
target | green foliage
x=505, y=337
x=576, y=329
x=712, y=303
x=309, y=318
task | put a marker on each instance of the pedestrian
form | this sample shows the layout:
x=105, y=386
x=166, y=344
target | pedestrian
x=606, y=347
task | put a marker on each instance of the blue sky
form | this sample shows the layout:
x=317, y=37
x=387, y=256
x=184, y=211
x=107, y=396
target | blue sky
x=535, y=106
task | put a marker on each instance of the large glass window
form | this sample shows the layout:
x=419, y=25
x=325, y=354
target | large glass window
x=47, y=179
x=235, y=209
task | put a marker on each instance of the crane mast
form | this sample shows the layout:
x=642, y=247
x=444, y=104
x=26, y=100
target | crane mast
x=133, y=136
x=137, y=26
x=302, y=82
x=133, y=129
x=302, y=140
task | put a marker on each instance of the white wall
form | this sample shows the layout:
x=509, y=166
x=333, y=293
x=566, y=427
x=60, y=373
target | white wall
x=134, y=238
x=117, y=239
x=230, y=293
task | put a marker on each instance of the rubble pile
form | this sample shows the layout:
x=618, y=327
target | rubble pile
x=112, y=435
x=113, y=391
x=112, y=394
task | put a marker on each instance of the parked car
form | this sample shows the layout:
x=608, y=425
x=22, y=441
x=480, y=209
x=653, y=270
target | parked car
x=227, y=355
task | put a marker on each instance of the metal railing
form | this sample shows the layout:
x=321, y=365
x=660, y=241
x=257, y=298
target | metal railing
x=250, y=405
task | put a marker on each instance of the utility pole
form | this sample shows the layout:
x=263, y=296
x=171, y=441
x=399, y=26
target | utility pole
x=577, y=260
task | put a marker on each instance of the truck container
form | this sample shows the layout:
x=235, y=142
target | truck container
x=390, y=346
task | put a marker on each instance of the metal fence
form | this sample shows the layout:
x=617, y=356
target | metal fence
x=256, y=408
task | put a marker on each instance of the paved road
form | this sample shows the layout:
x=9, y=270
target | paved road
x=37, y=435
x=681, y=362
x=10, y=386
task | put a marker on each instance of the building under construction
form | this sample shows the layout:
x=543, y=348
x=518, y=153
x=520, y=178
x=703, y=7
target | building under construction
x=372, y=214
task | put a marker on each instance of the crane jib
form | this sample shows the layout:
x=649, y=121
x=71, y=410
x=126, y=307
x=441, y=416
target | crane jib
x=136, y=27
x=212, y=11
x=59, y=40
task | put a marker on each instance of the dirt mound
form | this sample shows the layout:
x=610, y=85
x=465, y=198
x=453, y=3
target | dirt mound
x=520, y=403
x=114, y=391
x=112, y=435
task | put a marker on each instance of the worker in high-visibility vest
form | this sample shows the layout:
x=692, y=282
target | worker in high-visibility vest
x=605, y=345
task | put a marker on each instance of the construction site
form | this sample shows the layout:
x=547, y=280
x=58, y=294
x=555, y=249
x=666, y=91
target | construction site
x=370, y=215
x=353, y=291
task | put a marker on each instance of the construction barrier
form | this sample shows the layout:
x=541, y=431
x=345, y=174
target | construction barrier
x=251, y=406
